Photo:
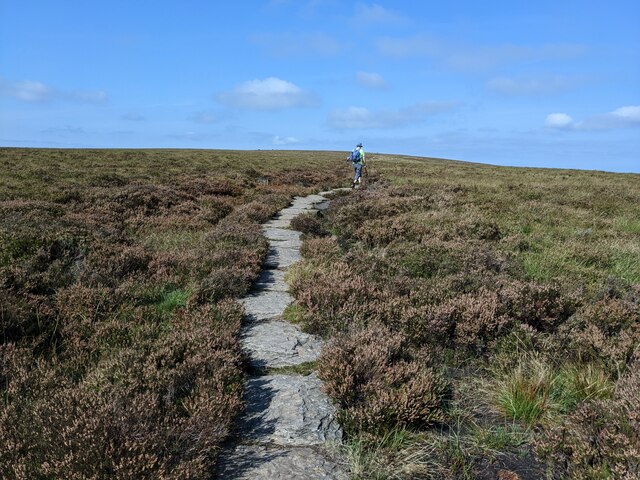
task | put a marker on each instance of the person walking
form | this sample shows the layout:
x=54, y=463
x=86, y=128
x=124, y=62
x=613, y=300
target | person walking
x=357, y=158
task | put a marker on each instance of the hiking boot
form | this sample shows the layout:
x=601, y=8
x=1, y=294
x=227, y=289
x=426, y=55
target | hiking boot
x=353, y=185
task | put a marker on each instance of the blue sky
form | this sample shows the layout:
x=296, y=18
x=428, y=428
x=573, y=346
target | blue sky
x=545, y=83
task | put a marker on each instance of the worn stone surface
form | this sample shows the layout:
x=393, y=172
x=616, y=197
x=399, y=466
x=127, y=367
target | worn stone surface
x=271, y=280
x=266, y=304
x=258, y=462
x=288, y=410
x=288, y=419
x=322, y=205
x=277, y=223
x=292, y=243
x=290, y=215
x=280, y=234
x=308, y=200
x=276, y=344
x=281, y=257
x=297, y=209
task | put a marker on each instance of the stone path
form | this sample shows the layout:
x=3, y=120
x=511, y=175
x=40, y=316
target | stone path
x=289, y=425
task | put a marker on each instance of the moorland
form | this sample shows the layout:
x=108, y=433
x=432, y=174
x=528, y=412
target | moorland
x=482, y=321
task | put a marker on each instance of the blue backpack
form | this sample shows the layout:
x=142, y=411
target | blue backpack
x=355, y=156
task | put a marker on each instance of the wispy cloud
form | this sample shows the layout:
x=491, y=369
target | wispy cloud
x=375, y=13
x=27, y=90
x=472, y=57
x=623, y=117
x=205, y=117
x=532, y=85
x=278, y=140
x=363, y=118
x=65, y=130
x=371, y=80
x=287, y=44
x=37, y=92
x=269, y=94
x=133, y=117
x=189, y=136
x=87, y=96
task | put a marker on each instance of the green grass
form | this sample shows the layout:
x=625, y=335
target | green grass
x=501, y=438
x=172, y=300
x=534, y=390
x=578, y=383
x=293, y=313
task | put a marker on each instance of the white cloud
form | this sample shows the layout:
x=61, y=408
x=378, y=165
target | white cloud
x=37, y=92
x=531, y=85
x=278, y=140
x=371, y=80
x=286, y=44
x=269, y=94
x=629, y=114
x=376, y=13
x=558, y=120
x=361, y=117
x=472, y=57
x=27, y=90
x=623, y=117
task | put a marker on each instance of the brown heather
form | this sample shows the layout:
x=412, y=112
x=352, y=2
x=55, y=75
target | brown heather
x=607, y=332
x=309, y=224
x=482, y=267
x=380, y=382
x=119, y=354
x=439, y=285
x=601, y=439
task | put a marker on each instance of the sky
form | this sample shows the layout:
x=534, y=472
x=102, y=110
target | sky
x=542, y=84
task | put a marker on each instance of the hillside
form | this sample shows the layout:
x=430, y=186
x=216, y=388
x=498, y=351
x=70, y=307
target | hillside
x=483, y=322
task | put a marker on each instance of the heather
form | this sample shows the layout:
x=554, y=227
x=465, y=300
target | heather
x=118, y=271
x=482, y=320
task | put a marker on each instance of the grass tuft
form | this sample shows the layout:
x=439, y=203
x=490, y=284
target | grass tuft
x=173, y=300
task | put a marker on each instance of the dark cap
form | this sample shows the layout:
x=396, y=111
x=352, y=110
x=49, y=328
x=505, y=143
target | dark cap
x=359, y=145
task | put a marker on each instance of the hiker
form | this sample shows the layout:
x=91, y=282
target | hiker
x=357, y=158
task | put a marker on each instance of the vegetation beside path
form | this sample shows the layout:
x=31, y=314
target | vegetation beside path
x=484, y=321
x=119, y=354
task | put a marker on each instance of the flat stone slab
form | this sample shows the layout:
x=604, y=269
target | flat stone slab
x=288, y=410
x=277, y=223
x=265, y=304
x=280, y=234
x=321, y=206
x=293, y=243
x=290, y=215
x=276, y=344
x=309, y=199
x=256, y=462
x=272, y=280
x=297, y=209
x=281, y=257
